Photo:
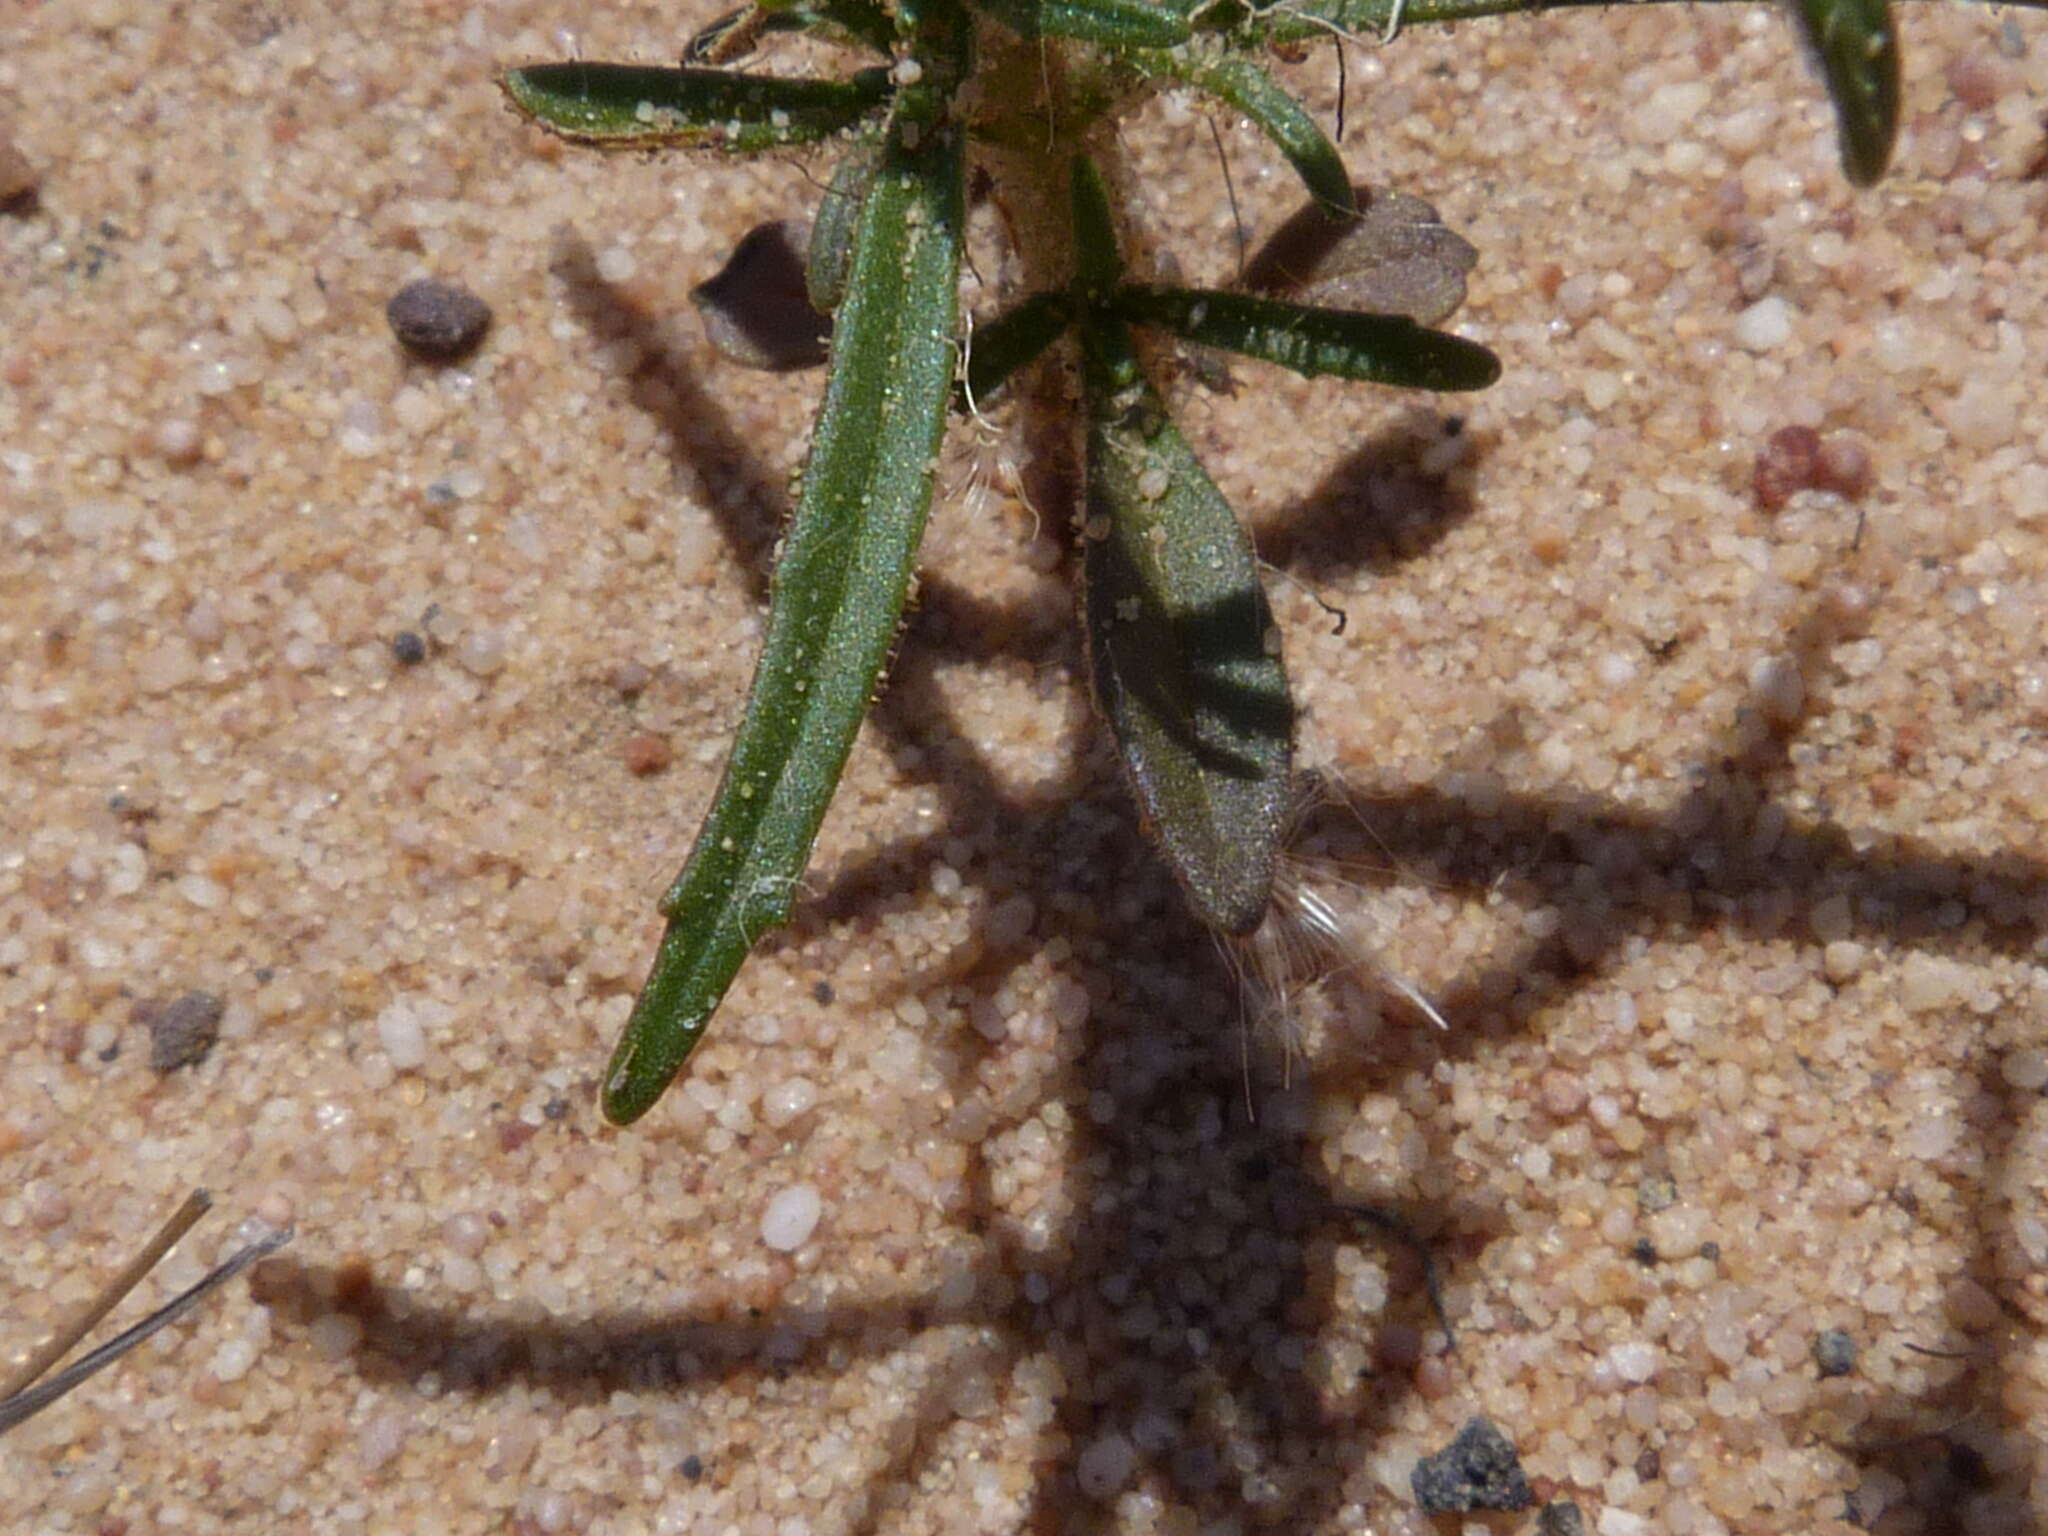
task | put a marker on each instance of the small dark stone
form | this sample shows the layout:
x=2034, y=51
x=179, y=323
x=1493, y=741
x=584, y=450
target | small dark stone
x=1967, y=1466
x=18, y=180
x=1395, y=257
x=1788, y=462
x=181, y=1031
x=436, y=320
x=1834, y=1352
x=1711, y=1251
x=1644, y=1252
x=1561, y=1518
x=757, y=311
x=1477, y=1470
x=112, y=1052
x=1649, y=1464
x=822, y=993
x=693, y=1467
x=556, y=1108
x=408, y=648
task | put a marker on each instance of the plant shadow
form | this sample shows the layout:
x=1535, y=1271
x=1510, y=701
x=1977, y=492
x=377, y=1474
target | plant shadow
x=1191, y=1295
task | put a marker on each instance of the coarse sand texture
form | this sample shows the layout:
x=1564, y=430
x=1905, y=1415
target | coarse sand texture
x=1687, y=735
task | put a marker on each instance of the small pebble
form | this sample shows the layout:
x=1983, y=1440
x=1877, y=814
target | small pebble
x=404, y=1039
x=756, y=310
x=18, y=180
x=1843, y=960
x=466, y=1232
x=380, y=1439
x=334, y=1335
x=647, y=754
x=1765, y=326
x=1788, y=463
x=629, y=679
x=791, y=1218
x=1477, y=1470
x=1844, y=465
x=48, y=1206
x=177, y=440
x=437, y=321
x=408, y=648
x=1396, y=257
x=1635, y=1362
x=276, y=1210
x=182, y=1031
x=1561, y=1518
x=1657, y=1192
x=481, y=652
x=232, y=1360
x=1834, y=1352
x=1104, y=1466
x=788, y=1100
x=2026, y=1068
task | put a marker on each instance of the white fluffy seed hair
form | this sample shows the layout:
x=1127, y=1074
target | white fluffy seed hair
x=1315, y=930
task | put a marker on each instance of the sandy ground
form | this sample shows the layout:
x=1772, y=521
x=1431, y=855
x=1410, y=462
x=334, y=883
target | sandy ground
x=1718, y=835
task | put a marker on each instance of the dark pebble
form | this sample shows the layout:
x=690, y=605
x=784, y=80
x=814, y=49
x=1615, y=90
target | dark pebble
x=436, y=320
x=1478, y=1470
x=1789, y=463
x=1561, y=1518
x=408, y=648
x=693, y=1467
x=756, y=311
x=181, y=1031
x=1834, y=1352
x=18, y=180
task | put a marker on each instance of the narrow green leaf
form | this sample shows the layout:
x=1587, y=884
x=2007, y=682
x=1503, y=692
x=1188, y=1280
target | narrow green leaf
x=1182, y=647
x=1237, y=80
x=838, y=597
x=1098, y=265
x=1011, y=341
x=1858, y=50
x=1108, y=23
x=634, y=106
x=1380, y=349
x=831, y=246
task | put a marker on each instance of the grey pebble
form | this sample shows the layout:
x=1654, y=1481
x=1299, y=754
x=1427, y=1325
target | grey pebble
x=1834, y=1352
x=757, y=311
x=436, y=320
x=1561, y=1518
x=1477, y=1470
x=181, y=1031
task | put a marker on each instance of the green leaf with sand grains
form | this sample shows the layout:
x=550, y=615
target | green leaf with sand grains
x=1182, y=647
x=1378, y=349
x=635, y=106
x=838, y=597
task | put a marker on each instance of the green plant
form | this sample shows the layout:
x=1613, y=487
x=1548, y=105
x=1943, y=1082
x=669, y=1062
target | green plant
x=1185, y=663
